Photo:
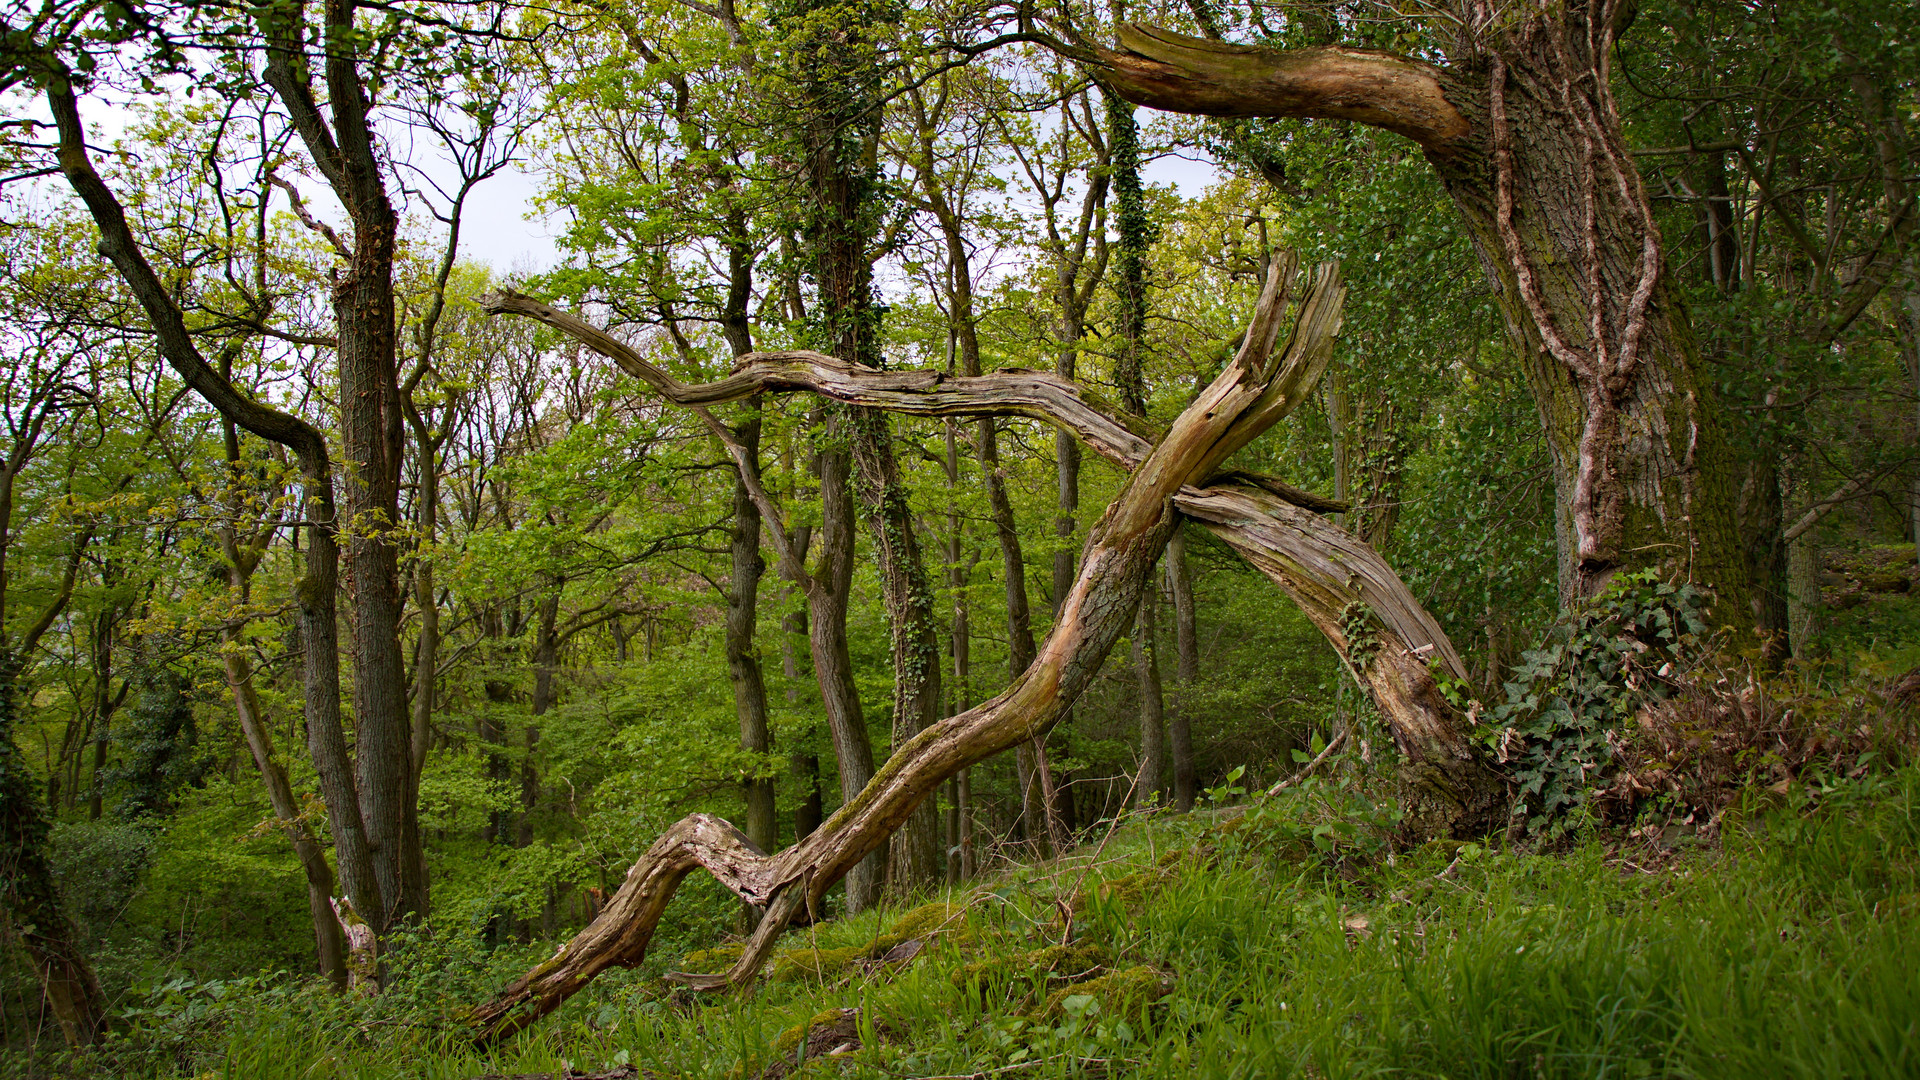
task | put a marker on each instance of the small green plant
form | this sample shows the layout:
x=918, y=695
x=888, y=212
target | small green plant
x=1228, y=790
x=1362, y=632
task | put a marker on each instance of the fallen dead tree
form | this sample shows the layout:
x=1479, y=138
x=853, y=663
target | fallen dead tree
x=1361, y=605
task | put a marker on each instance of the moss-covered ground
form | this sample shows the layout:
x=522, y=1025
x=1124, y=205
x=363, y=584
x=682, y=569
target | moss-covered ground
x=1290, y=939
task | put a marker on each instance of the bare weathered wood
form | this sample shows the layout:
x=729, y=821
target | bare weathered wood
x=1165, y=70
x=1320, y=565
x=1009, y=392
x=1119, y=557
x=1447, y=786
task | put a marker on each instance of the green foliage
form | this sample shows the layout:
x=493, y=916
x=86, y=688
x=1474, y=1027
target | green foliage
x=99, y=865
x=1785, y=954
x=1568, y=700
x=159, y=748
x=1361, y=629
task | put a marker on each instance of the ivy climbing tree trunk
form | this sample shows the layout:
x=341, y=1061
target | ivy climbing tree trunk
x=341, y=142
x=835, y=71
x=1135, y=229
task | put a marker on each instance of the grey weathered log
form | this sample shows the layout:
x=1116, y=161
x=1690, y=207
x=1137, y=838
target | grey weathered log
x=1118, y=560
x=1037, y=395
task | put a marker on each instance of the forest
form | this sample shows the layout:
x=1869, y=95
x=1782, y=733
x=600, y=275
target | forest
x=617, y=539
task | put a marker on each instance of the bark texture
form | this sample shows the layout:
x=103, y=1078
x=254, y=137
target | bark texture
x=1522, y=130
x=743, y=658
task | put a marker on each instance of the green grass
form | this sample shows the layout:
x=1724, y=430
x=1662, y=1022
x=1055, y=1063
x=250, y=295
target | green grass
x=1788, y=950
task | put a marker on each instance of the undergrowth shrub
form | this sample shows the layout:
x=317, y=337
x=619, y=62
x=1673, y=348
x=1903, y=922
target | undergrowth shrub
x=1724, y=729
x=1569, y=700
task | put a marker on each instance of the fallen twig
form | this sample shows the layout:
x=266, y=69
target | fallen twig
x=1309, y=766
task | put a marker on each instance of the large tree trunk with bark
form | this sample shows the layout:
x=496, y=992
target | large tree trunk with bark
x=1315, y=561
x=341, y=143
x=743, y=660
x=914, y=859
x=314, y=594
x=836, y=78
x=1522, y=130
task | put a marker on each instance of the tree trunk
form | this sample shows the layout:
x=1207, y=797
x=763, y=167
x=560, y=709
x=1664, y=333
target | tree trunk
x=833, y=664
x=803, y=765
x=1135, y=230
x=1030, y=763
x=1909, y=321
x=105, y=704
x=838, y=126
x=743, y=661
x=960, y=646
x=1763, y=519
x=1804, y=594
x=1153, y=728
x=1076, y=277
x=1186, y=672
x=1524, y=134
x=341, y=143
x=242, y=559
x=27, y=887
x=914, y=857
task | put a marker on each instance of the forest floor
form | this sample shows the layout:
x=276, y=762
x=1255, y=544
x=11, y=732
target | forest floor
x=1285, y=938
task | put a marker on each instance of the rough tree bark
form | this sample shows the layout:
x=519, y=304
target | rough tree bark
x=1316, y=562
x=341, y=142
x=836, y=77
x=315, y=593
x=743, y=660
x=1136, y=231
x=1522, y=130
x=243, y=558
x=1186, y=673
